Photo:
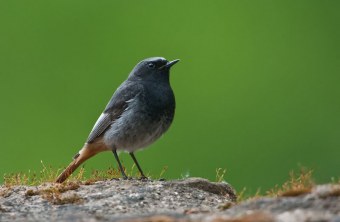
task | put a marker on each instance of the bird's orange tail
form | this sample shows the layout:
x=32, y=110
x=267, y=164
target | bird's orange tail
x=84, y=154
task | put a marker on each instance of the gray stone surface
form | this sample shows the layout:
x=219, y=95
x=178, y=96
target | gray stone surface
x=321, y=204
x=113, y=200
x=192, y=199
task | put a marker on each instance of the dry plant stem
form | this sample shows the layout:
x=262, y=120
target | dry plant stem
x=295, y=186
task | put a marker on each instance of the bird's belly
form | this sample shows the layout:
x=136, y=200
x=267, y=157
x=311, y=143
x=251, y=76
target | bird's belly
x=135, y=130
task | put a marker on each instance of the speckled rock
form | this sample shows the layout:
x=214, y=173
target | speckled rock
x=322, y=204
x=192, y=199
x=113, y=200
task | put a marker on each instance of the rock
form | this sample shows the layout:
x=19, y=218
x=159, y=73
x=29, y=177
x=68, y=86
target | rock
x=113, y=200
x=321, y=204
x=223, y=188
x=192, y=199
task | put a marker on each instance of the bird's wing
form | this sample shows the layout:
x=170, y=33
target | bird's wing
x=114, y=109
x=103, y=122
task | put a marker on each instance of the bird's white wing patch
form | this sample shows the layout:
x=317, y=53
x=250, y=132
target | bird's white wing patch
x=103, y=122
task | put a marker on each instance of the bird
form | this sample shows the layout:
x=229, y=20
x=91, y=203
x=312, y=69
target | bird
x=139, y=112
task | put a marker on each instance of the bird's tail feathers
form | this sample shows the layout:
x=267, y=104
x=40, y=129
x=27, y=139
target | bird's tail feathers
x=84, y=154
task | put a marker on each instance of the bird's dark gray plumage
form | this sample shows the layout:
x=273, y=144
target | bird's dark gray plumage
x=139, y=112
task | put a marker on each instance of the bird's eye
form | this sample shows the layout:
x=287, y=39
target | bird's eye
x=151, y=65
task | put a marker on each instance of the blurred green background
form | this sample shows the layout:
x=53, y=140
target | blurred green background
x=257, y=88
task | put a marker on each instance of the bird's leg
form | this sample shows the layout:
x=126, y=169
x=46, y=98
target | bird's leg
x=119, y=164
x=139, y=168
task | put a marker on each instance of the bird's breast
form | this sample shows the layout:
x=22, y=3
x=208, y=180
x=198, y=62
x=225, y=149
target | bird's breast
x=146, y=118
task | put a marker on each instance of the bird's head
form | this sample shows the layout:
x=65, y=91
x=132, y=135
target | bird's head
x=152, y=69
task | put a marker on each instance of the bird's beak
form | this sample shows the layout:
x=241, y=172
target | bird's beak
x=169, y=64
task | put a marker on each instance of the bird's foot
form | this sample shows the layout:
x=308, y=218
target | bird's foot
x=144, y=178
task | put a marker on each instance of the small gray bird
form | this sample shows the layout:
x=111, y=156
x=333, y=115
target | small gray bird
x=139, y=112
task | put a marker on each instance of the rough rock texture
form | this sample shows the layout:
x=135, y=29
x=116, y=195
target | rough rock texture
x=322, y=204
x=112, y=200
x=192, y=199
